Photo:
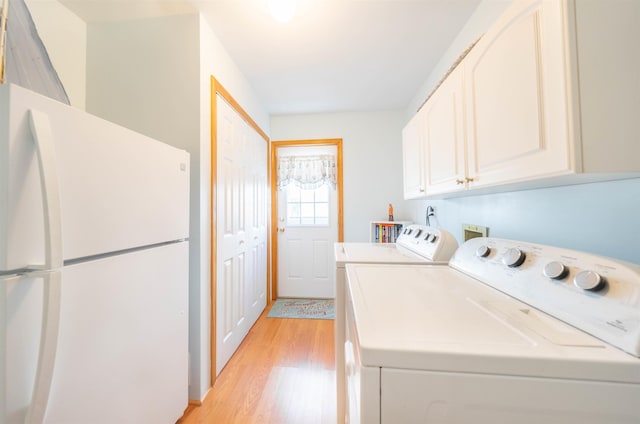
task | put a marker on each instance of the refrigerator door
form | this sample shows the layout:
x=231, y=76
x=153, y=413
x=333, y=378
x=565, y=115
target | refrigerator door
x=118, y=189
x=122, y=341
x=22, y=301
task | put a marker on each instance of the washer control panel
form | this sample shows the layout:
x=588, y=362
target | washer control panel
x=599, y=295
x=429, y=242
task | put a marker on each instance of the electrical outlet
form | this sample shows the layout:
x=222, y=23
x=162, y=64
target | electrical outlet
x=431, y=211
x=472, y=231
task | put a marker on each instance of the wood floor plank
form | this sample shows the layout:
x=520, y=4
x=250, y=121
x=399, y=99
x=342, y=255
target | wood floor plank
x=282, y=373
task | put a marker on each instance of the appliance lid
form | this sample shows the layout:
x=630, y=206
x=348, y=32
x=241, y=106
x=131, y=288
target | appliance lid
x=376, y=253
x=415, y=244
x=438, y=319
x=598, y=295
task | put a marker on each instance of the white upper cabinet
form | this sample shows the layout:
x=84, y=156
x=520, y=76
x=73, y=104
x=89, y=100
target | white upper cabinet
x=516, y=96
x=548, y=96
x=443, y=129
x=413, y=158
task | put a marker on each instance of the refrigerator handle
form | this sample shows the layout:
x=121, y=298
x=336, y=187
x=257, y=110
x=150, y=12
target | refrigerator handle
x=52, y=275
x=48, y=346
x=43, y=138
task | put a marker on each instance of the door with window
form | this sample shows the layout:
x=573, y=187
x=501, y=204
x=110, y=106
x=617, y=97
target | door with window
x=307, y=220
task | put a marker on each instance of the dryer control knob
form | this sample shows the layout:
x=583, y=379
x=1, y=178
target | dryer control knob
x=513, y=257
x=483, y=251
x=555, y=270
x=589, y=280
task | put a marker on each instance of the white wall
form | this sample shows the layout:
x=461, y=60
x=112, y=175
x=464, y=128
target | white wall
x=597, y=218
x=485, y=14
x=372, y=161
x=64, y=35
x=153, y=75
x=144, y=74
x=214, y=60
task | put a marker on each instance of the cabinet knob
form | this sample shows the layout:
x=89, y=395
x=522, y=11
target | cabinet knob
x=458, y=182
x=468, y=179
x=421, y=190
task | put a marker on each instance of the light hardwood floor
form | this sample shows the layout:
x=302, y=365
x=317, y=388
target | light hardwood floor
x=282, y=373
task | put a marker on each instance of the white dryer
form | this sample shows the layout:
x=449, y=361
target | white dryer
x=416, y=244
x=509, y=332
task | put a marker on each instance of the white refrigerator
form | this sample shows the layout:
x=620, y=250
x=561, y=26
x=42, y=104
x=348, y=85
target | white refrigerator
x=94, y=227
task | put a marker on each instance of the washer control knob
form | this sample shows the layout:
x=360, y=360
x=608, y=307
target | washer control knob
x=483, y=251
x=513, y=257
x=555, y=270
x=589, y=280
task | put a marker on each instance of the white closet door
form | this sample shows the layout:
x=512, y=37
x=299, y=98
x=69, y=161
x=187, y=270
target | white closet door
x=241, y=230
x=256, y=219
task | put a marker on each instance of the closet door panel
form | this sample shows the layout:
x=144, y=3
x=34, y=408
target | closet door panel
x=241, y=231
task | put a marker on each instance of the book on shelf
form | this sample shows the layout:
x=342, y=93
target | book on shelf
x=386, y=231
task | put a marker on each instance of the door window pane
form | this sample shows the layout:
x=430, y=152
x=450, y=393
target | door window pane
x=322, y=194
x=307, y=196
x=322, y=210
x=307, y=207
x=293, y=213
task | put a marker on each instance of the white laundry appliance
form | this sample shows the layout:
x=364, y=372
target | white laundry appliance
x=416, y=244
x=509, y=332
x=94, y=227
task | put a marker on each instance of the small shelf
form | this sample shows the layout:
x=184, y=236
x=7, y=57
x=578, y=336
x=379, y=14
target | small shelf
x=385, y=231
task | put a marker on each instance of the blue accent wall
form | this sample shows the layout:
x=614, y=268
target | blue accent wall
x=600, y=218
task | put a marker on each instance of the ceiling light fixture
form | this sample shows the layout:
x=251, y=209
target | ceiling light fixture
x=282, y=10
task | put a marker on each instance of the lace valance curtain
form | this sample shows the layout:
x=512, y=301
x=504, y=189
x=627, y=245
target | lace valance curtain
x=307, y=172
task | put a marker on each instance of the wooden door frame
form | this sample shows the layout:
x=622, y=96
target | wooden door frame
x=274, y=197
x=217, y=88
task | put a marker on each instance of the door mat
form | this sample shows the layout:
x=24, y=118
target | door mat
x=302, y=308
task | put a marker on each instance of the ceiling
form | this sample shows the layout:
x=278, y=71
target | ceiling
x=334, y=56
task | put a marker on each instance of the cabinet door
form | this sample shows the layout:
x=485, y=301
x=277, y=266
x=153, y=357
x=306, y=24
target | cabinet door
x=444, y=128
x=517, y=126
x=412, y=158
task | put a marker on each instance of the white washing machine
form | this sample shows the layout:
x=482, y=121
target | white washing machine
x=509, y=332
x=417, y=244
